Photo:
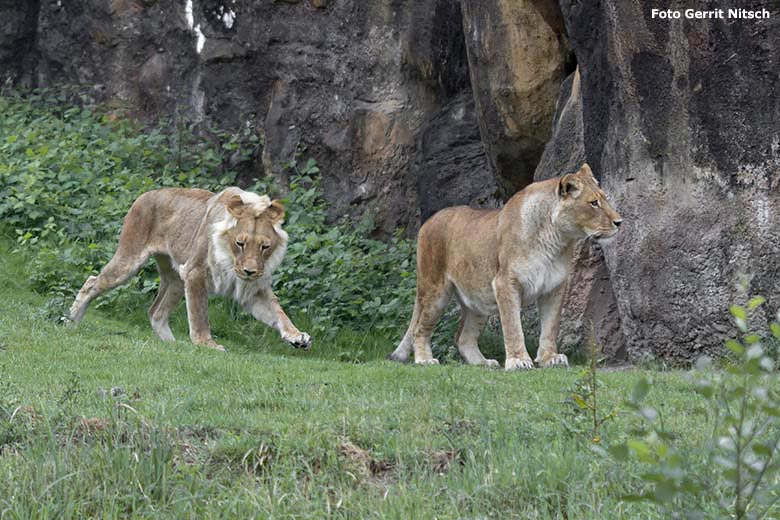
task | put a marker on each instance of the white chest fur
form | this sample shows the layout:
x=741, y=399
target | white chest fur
x=539, y=275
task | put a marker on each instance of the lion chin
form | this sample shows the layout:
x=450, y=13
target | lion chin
x=199, y=239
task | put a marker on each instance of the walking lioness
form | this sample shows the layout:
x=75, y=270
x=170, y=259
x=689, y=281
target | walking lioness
x=497, y=261
x=227, y=243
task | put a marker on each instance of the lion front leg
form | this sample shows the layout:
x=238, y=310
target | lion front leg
x=265, y=308
x=550, y=314
x=197, y=297
x=507, y=292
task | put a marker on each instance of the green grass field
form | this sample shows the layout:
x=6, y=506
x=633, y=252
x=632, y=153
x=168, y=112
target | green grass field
x=105, y=421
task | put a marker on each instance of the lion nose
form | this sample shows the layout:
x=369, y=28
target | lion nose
x=249, y=272
x=617, y=222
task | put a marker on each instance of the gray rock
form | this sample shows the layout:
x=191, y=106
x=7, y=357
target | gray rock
x=565, y=151
x=451, y=168
x=590, y=310
x=17, y=40
x=517, y=53
x=680, y=122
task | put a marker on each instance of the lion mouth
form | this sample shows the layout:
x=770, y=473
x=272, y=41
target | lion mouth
x=604, y=235
x=246, y=277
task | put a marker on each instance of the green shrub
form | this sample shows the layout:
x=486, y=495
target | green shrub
x=335, y=273
x=68, y=175
x=741, y=463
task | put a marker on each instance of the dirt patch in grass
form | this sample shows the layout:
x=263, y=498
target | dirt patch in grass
x=365, y=467
x=442, y=461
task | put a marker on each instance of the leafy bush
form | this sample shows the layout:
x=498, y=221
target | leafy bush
x=335, y=273
x=68, y=175
x=742, y=462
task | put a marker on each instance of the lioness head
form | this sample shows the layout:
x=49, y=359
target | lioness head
x=584, y=206
x=256, y=235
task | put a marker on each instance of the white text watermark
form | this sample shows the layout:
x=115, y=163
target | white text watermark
x=698, y=14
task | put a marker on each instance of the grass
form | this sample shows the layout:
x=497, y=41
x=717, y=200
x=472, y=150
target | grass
x=103, y=420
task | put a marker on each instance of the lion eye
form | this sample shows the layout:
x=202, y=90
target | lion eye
x=240, y=244
x=595, y=203
x=264, y=247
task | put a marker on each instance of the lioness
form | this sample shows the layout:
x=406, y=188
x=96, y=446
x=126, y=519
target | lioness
x=499, y=260
x=227, y=243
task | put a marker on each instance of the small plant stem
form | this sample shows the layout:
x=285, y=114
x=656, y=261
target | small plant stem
x=739, y=505
x=765, y=466
x=593, y=354
x=768, y=508
x=593, y=383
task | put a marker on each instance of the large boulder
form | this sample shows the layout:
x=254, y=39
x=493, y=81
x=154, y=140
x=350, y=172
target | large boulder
x=451, y=168
x=518, y=53
x=350, y=83
x=590, y=310
x=680, y=121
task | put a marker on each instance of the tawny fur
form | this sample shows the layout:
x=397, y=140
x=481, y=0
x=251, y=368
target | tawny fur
x=498, y=261
x=228, y=243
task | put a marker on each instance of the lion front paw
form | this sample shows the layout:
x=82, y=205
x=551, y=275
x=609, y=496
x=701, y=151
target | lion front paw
x=432, y=361
x=214, y=345
x=518, y=364
x=553, y=360
x=210, y=343
x=298, y=339
x=492, y=363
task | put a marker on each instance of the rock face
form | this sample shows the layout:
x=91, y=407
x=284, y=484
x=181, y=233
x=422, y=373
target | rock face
x=450, y=168
x=412, y=105
x=362, y=86
x=350, y=83
x=517, y=51
x=680, y=121
x=590, y=310
x=18, y=23
x=565, y=151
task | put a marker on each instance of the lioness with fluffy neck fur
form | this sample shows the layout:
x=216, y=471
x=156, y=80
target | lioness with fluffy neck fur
x=497, y=261
x=227, y=243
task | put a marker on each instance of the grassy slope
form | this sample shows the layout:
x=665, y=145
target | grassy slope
x=266, y=431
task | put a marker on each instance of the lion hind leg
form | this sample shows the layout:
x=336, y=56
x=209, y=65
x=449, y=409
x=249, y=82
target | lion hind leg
x=431, y=307
x=169, y=295
x=404, y=349
x=116, y=272
x=471, y=325
x=82, y=300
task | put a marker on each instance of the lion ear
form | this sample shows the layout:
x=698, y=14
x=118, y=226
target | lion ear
x=275, y=211
x=235, y=206
x=587, y=172
x=569, y=186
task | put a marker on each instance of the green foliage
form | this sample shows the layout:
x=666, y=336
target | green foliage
x=69, y=174
x=335, y=273
x=742, y=459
